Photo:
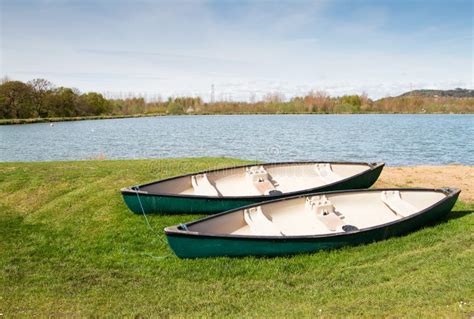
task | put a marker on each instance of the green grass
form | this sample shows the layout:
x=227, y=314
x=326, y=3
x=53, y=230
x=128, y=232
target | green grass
x=69, y=246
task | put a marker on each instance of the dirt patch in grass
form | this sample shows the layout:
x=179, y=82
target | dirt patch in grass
x=458, y=176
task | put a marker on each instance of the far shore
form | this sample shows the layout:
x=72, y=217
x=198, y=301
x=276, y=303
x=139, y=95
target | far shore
x=107, y=117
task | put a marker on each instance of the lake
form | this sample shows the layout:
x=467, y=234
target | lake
x=395, y=139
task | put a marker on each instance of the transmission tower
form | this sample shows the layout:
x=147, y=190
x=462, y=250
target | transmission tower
x=212, y=94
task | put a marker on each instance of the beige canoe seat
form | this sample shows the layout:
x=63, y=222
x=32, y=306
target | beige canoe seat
x=202, y=185
x=394, y=201
x=260, y=179
x=326, y=173
x=259, y=223
x=325, y=212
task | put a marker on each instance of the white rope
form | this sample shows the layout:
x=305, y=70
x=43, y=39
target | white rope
x=137, y=189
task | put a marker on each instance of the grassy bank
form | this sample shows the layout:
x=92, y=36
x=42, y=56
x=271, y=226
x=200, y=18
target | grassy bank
x=71, y=119
x=69, y=246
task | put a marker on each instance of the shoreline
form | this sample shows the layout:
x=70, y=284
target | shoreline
x=430, y=176
x=71, y=119
x=110, y=117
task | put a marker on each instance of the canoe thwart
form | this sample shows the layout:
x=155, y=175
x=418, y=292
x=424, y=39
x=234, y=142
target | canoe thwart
x=259, y=223
x=202, y=185
x=394, y=201
x=326, y=173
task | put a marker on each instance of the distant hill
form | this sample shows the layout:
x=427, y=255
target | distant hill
x=441, y=93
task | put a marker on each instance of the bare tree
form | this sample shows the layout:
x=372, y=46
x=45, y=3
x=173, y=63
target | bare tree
x=274, y=97
x=5, y=79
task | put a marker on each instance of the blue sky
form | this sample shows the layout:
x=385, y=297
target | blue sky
x=244, y=48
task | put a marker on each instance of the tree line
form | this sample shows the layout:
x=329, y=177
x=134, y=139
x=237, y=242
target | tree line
x=39, y=98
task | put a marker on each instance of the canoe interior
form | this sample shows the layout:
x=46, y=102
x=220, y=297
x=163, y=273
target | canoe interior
x=282, y=178
x=298, y=217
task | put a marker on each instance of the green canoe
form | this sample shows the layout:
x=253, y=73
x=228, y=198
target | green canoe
x=215, y=191
x=309, y=223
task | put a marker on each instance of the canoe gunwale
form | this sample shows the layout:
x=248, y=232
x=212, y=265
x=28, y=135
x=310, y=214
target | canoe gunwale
x=134, y=190
x=176, y=232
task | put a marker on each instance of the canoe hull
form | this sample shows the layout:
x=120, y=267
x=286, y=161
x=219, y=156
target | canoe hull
x=175, y=204
x=193, y=246
x=169, y=205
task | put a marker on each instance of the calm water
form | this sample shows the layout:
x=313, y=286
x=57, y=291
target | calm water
x=395, y=139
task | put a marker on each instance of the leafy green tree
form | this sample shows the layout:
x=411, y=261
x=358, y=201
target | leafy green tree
x=62, y=102
x=354, y=101
x=180, y=105
x=16, y=100
x=93, y=103
x=174, y=108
